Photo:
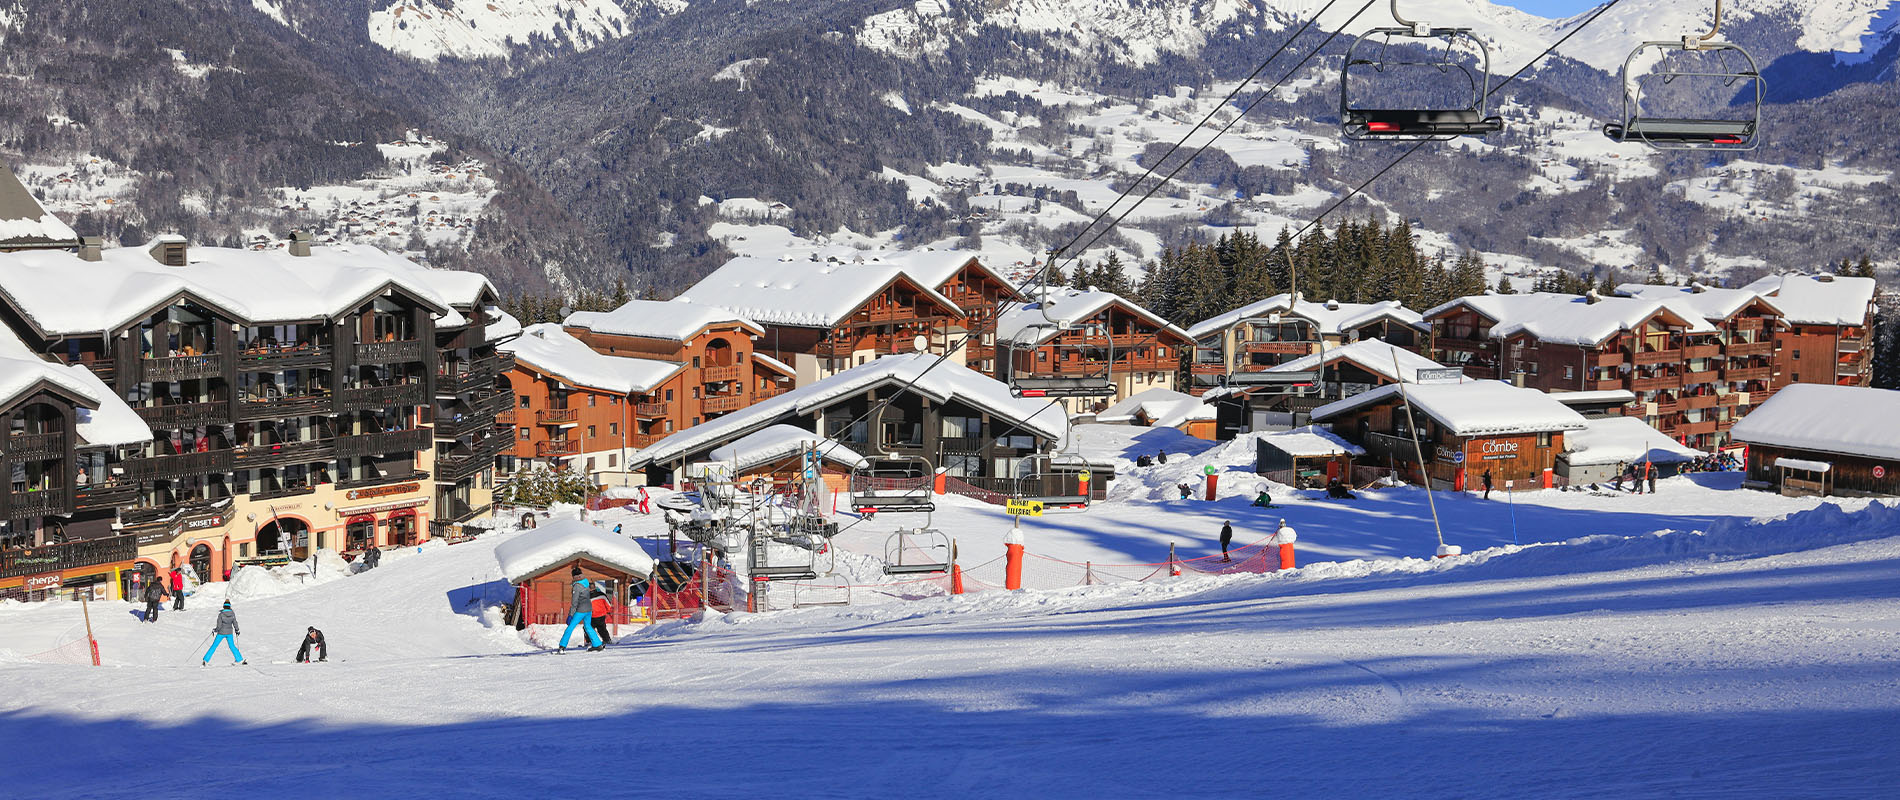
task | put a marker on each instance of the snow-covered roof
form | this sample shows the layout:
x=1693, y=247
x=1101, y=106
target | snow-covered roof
x=939, y=381
x=24, y=222
x=1613, y=440
x=103, y=417
x=1026, y=323
x=934, y=268
x=1712, y=303
x=1616, y=396
x=1471, y=408
x=532, y=552
x=1850, y=420
x=1312, y=441
x=799, y=292
x=1332, y=317
x=502, y=324
x=252, y=286
x=778, y=442
x=1164, y=407
x=1572, y=319
x=1373, y=355
x=1803, y=464
x=1823, y=299
x=777, y=365
x=674, y=320
x=548, y=349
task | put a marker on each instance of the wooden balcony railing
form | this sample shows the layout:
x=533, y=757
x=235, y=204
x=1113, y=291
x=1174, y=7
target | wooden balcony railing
x=258, y=456
x=112, y=494
x=180, y=368
x=185, y=415
x=372, y=398
x=384, y=443
x=1699, y=401
x=281, y=407
x=639, y=440
x=68, y=555
x=1659, y=382
x=1745, y=374
x=726, y=373
x=1741, y=349
x=34, y=446
x=564, y=447
x=556, y=416
x=1706, y=376
x=1605, y=359
x=469, y=376
x=390, y=352
x=1279, y=348
x=1702, y=351
x=260, y=359
x=719, y=405
x=54, y=500
x=1656, y=357
x=176, y=466
x=649, y=409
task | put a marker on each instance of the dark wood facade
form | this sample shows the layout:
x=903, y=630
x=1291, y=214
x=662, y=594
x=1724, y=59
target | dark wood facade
x=1452, y=461
x=1847, y=475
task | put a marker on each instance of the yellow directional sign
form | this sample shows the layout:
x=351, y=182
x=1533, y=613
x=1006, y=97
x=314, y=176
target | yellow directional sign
x=1024, y=508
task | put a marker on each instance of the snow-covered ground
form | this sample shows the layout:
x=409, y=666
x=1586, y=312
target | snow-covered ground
x=1702, y=641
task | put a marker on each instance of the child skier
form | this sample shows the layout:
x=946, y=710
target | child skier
x=580, y=613
x=226, y=632
x=602, y=609
x=313, y=641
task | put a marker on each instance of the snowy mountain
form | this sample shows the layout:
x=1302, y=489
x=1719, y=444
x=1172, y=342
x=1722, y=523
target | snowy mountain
x=432, y=29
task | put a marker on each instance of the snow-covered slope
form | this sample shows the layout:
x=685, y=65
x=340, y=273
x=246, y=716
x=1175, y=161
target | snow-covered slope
x=435, y=29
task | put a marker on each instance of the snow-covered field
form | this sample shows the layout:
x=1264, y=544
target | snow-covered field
x=1704, y=641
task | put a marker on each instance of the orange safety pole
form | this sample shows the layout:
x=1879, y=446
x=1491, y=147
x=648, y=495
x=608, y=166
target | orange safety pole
x=1013, y=564
x=1285, y=537
x=1174, y=567
x=956, y=570
x=1212, y=481
x=1286, y=555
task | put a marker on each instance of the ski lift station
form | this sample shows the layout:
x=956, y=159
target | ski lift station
x=539, y=564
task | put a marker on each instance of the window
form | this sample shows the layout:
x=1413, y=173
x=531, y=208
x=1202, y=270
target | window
x=524, y=401
x=1543, y=439
x=695, y=362
x=612, y=460
x=1797, y=354
x=614, y=400
x=590, y=400
x=590, y=465
x=1569, y=372
x=613, y=429
x=695, y=420
x=524, y=434
x=669, y=395
x=669, y=426
x=590, y=432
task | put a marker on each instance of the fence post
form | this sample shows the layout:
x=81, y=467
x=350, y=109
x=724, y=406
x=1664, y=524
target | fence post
x=1174, y=567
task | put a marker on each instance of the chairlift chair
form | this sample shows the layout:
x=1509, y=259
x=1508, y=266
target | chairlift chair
x=892, y=482
x=1676, y=132
x=918, y=551
x=1360, y=123
x=772, y=557
x=1051, y=486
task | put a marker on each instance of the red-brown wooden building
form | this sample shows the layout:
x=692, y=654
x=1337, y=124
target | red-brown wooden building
x=1463, y=429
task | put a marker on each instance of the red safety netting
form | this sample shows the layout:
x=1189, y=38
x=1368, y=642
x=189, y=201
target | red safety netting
x=74, y=648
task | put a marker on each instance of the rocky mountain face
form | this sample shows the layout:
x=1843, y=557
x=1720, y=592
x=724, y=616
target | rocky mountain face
x=568, y=143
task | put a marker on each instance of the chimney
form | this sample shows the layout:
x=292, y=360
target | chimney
x=1591, y=297
x=300, y=244
x=91, y=248
x=169, y=250
x=1517, y=379
x=1825, y=277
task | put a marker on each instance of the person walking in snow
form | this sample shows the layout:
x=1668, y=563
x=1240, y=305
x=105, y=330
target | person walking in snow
x=1226, y=538
x=645, y=504
x=154, y=597
x=1649, y=472
x=226, y=632
x=178, y=589
x=602, y=608
x=1621, y=470
x=580, y=612
x=1487, y=484
x=1161, y=456
x=313, y=642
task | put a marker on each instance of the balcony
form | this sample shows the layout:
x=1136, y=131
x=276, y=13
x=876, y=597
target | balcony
x=485, y=415
x=1695, y=428
x=718, y=405
x=381, y=480
x=259, y=456
x=282, y=407
x=473, y=458
x=557, y=416
x=1731, y=399
x=384, y=443
x=649, y=409
x=1667, y=406
x=180, y=368
x=1610, y=385
x=174, y=467
x=716, y=374
x=1851, y=346
x=1653, y=384
x=1748, y=324
x=1745, y=374
x=1656, y=357
x=1710, y=350
x=1845, y=370
x=470, y=376
x=117, y=494
x=279, y=492
x=56, y=500
x=70, y=555
x=1699, y=401
x=273, y=359
x=557, y=448
x=1611, y=358
x=1706, y=376
x=390, y=352
x=35, y=446
x=185, y=415
x=373, y=398
x=1278, y=348
x=1744, y=349
x=640, y=440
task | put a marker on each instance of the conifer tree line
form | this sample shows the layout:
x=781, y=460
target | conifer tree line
x=1357, y=262
x=534, y=308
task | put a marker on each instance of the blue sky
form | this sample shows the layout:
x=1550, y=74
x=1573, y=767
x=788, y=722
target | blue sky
x=1551, y=8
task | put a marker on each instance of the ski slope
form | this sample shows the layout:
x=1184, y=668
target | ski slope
x=1750, y=649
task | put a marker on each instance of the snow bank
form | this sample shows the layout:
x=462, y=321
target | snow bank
x=257, y=582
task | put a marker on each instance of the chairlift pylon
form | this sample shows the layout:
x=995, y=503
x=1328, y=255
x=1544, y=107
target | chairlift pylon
x=1676, y=131
x=1359, y=122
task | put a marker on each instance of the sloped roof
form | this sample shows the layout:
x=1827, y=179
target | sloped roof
x=1822, y=299
x=1850, y=420
x=1572, y=319
x=778, y=442
x=24, y=222
x=674, y=320
x=104, y=417
x=1068, y=306
x=250, y=286
x=938, y=380
x=546, y=348
x=1471, y=408
x=1711, y=302
x=800, y=293
x=1164, y=407
x=934, y=268
x=1332, y=316
x=1373, y=355
x=1311, y=441
x=533, y=552
x=1611, y=440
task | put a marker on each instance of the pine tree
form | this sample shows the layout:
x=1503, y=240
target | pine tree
x=1504, y=284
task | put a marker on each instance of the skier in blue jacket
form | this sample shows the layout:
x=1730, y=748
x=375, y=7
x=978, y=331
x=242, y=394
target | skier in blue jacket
x=226, y=631
x=580, y=613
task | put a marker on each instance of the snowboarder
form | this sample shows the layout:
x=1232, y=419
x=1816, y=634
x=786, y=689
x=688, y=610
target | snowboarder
x=602, y=607
x=580, y=613
x=1187, y=492
x=1264, y=500
x=616, y=529
x=1226, y=537
x=178, y=589
x=226, y=633
x=1649, y=471
x=1337, y=491
x=1487, y=484
x=313, y=642
x=372, y=557
x=154, y=597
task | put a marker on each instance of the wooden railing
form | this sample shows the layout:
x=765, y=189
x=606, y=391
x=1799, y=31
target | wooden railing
x=180, y=465
x=1702, y=351
x=105, y=495
x=649, y=409
x=556, y=448
x=726, y=373
x=55, y=500
x=282, y=454
x=34, y=446
x=179, y=368
x=279, y=407
x=68, y=555
x=1660, y=382
x=716, y=405
x=389, y=352
x=1740, y=349
x=1656, y=357
x=185, y=415
x=556, y=416
x=1745, y=373
x=372, y=398
x=376, y=444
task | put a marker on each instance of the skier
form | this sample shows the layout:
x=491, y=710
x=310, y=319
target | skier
x=1145, y=461
x=154, y=597
x=1226, y=537
x=1187, y=492
x=1487, y=484
x=178, y=589
x=645, y=504
x=602, y=607
x=580, y=613
x=313, y=641
x=1338, y=491
x=226, y=632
